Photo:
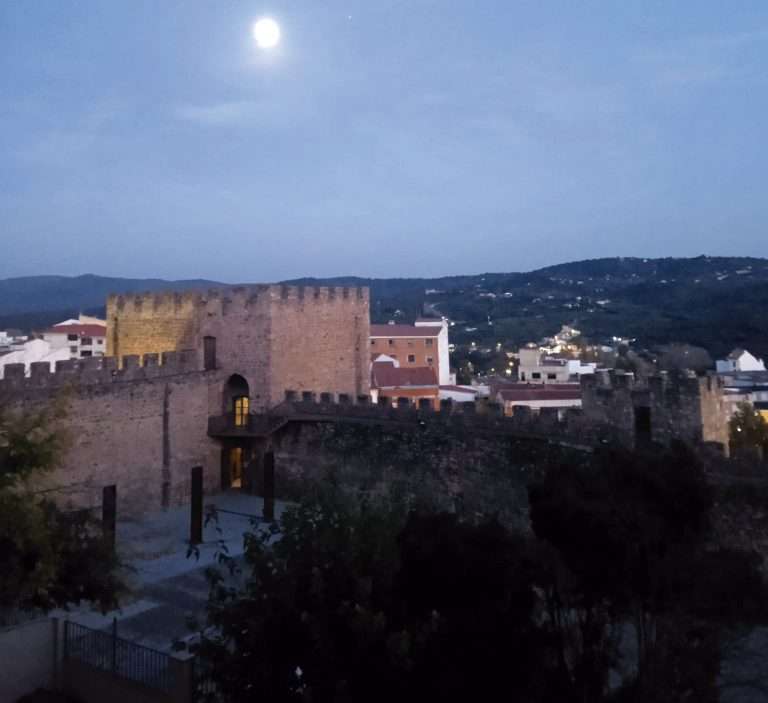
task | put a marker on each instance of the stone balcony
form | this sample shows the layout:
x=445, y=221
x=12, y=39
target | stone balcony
x=252, y=425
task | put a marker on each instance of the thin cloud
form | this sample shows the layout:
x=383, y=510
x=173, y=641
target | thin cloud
x=224, y=114
x=700, y=59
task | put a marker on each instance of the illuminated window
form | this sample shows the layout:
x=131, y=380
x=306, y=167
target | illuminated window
x=242, y=407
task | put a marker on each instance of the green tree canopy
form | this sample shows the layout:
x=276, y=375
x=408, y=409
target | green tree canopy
x=48, y=557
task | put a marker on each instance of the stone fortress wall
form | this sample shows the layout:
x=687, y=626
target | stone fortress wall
x=139, y=418
x=666, y=407
x=140, y=426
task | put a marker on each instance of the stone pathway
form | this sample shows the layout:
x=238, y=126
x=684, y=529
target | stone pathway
x=166, y=585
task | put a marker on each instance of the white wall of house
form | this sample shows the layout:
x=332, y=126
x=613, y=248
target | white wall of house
x=744, y=362
x=544, y=373
x=32, y=351
x=446, y=378
x=576, y=368
x=467, y=395
x=539, y=404
x=79, y=347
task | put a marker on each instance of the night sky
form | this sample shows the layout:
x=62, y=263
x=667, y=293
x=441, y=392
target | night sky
x=380, y=138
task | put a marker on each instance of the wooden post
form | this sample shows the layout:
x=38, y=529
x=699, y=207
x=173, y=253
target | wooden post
x=109, y=513
x=269, y=486
x=114, y=646
x=182, y=670
x=196, y=506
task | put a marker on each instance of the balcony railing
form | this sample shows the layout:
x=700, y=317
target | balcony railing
x=251, y=425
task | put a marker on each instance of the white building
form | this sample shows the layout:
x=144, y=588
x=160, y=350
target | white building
x=538, y=396
x=536, y=367
x=84, y=337
x=458, y=394
x=739, y=360
x=33, y=351
x=444, y=364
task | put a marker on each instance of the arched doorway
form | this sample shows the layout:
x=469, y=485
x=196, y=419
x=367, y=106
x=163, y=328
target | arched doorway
x=237, y=403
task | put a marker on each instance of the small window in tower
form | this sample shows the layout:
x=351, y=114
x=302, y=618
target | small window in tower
x=209, y=353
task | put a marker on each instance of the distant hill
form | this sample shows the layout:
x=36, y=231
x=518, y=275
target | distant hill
x=44, y=293
x=714, y=302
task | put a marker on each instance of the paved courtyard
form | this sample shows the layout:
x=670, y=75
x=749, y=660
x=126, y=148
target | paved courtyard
x=166, y=585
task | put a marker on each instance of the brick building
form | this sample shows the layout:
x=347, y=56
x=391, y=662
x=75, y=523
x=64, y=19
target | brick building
x=423, y=344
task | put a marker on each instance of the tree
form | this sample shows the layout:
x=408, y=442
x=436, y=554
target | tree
x=748, y=430
x=632, y=532
x=48, y=558
x=359, y=599
x=363, y=601
x=682, y=357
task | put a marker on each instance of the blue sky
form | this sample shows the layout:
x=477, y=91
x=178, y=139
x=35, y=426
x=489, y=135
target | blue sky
x=382, y=137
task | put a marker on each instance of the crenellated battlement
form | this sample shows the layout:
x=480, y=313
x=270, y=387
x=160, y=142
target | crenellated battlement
x=609, y=381
x=550, y=425
x=95, y=371
x=223, y=300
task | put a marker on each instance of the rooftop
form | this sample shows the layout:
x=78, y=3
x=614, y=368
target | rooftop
x=384, y=374
x=80, y=330
x=390, y=331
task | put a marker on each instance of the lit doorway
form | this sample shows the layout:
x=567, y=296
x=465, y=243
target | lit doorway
x=236, y=467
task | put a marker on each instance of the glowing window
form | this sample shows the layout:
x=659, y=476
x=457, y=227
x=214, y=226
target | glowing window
x=242, y=407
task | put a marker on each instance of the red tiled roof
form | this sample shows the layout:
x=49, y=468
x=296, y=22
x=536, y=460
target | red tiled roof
x=539, y=393
x=80, y=330
x=386, y=375
x=405, y=331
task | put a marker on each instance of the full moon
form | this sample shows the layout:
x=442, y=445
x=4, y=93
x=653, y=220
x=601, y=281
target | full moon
x=266, y=32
